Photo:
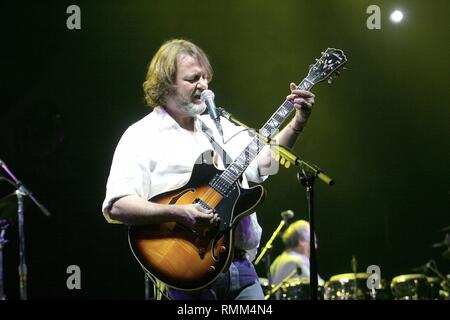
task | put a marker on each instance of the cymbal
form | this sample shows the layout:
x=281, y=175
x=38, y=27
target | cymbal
x=8, y=207
x=346, y=277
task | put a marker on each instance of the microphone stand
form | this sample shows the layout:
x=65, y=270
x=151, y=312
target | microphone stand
x=307, y=180
x=21, y=192
x=309, y=172
x=3, y=226
x=266, y=249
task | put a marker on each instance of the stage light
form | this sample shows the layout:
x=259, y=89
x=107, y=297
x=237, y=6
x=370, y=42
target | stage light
x=396, y=16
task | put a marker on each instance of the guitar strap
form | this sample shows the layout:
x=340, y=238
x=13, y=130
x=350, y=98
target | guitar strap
x=226, y=159
x=243, y=226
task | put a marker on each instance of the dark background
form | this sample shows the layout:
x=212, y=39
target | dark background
x=381, y=130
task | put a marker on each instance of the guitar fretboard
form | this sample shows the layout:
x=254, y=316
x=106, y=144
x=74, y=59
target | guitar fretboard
x=230, y=175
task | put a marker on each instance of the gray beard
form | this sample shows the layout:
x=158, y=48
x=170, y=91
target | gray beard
x=191, y=108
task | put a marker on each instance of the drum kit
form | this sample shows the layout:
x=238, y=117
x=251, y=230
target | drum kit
x=351, y=286
x=348, y=287
x=357, y=286
x=368, y=286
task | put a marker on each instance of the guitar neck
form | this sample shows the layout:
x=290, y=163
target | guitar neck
x=226, y=180
x=283, y=112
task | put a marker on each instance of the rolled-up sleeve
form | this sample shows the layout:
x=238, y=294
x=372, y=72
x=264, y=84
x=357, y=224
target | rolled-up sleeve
x=129, y=173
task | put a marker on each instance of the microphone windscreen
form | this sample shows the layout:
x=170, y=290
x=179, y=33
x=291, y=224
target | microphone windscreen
x=207, y=94
x=288, y=214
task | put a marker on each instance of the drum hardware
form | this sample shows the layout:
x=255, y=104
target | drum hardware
x=343, y=287
x=434, y=288
x=276, y=288
x=355, y=283
x=444, y=282
x=444, y=244
x=410, y=287
x=298, y=288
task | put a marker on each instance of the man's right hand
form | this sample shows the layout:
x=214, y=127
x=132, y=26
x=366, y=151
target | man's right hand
x=194, y=214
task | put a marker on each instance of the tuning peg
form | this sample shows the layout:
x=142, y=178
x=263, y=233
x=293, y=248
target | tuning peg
x=287, y=164
x=330, y=79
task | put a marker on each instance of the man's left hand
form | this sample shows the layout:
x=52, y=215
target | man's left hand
x=303, y=103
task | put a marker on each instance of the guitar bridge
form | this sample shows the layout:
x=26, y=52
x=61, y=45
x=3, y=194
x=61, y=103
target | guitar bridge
x=202, y=204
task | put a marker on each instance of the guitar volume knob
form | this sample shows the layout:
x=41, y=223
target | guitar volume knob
x=211, y=269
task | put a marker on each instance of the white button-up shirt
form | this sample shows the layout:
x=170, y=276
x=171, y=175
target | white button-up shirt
x=157, y=155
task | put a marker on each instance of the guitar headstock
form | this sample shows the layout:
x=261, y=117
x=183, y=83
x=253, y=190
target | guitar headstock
x=325, y=67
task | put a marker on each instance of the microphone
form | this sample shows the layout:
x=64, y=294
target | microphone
x=286, y=215
x=207, y=97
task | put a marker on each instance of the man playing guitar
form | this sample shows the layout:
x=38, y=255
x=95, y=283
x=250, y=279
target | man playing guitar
x=181, y=230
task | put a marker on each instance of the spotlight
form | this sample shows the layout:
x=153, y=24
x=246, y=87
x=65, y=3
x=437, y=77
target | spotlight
x=396, y=16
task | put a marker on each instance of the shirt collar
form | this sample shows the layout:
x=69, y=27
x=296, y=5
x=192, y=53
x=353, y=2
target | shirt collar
x=166, y=121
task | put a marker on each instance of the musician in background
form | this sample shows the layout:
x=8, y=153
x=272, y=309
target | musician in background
x=157, y=154
x=296, y=254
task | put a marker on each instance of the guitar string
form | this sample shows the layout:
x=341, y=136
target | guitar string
x=287, y=107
